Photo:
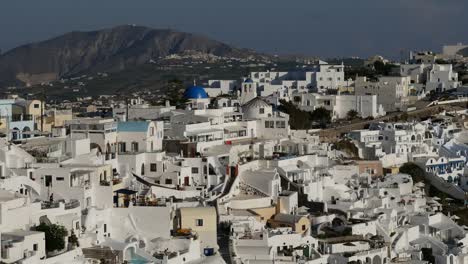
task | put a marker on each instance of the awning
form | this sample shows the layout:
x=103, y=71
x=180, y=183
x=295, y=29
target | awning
x=203, y=131
x=235, y=128
x=125, y=191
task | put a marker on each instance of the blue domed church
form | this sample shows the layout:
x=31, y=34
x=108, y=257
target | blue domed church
x=197, y=97
x=195, y=92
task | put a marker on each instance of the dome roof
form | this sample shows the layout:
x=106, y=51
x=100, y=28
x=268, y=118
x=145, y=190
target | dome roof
x=248, y=80
x=195, y=92
x=257, y=102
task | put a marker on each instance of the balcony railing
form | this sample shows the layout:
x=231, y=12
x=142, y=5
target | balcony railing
x=68, y=205
x=16, y=118
x=110, y=156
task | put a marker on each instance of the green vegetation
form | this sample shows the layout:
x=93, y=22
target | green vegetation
x=54, y=236
x=300, y=119
x=175, y=93
x=418, y=175
x=379, y=69
x=352, y=114
x=321, y=116
x=150, y=78
x=384, y=69
x=73, y=239
x=347, y=147
x=416, y=172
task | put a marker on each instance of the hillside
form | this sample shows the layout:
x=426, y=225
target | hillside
x=109, y=50
x=463, y=52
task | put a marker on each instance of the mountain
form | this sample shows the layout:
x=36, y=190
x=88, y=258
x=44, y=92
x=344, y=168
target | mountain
x=112, y=49
x=463, y=52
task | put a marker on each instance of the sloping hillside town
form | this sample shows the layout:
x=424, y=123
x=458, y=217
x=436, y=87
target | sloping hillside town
x=314, y=165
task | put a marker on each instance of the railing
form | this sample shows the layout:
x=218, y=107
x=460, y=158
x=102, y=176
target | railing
x=49, y=205
x=104, y=183
x=111, y=155
x=72, y=204
x=116, y=181
x=17, y=118
x=67, y=205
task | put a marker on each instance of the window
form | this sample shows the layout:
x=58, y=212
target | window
x=280, y=124
x=122, y=147
x=36, y=106
x=135, y=146
x=269, y=124
x=194, y=170
x=153, y=167
x=152, y=131
x=198, y=222
x=77, y=225
x=48, y=180
x=262, y=110
x=60, y=179
x=303, y=227
x=168, y=181
x=35, y=247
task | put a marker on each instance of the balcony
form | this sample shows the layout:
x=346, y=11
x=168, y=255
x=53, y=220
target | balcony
x=104, y=183
x=18, y=118
x=72, y=204
x=110, y=156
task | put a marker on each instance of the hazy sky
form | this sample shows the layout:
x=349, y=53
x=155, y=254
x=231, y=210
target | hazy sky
x=313, y=27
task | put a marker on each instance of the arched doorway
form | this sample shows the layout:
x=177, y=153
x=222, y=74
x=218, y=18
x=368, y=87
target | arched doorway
x=15, y=134
x=26, y=132
x=376, y=260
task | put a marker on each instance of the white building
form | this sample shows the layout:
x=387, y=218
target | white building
x=441, y=78
x=392, y=92
x=340, y=105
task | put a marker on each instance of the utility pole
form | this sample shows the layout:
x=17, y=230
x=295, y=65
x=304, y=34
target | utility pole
x=42, y=108
x=127, y=107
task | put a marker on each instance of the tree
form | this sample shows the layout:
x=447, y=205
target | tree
x=73, y=239
x=352, y=114
x=54, y=236
x=175, y=93
x=298, y=119
x=416, y=172
x=348, y=147
x=322, y=116
x=404, y=116
x=382, y=68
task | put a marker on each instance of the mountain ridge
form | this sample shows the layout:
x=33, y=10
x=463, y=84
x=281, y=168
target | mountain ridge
x=110, y=49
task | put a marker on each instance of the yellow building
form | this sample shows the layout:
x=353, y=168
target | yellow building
x=263, y=214
x=29, y=109
x=56, y=118
x=299, y=224
x=391, y=170
x=202, y=221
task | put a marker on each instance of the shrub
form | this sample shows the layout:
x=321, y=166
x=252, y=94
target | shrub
x=54, y=236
